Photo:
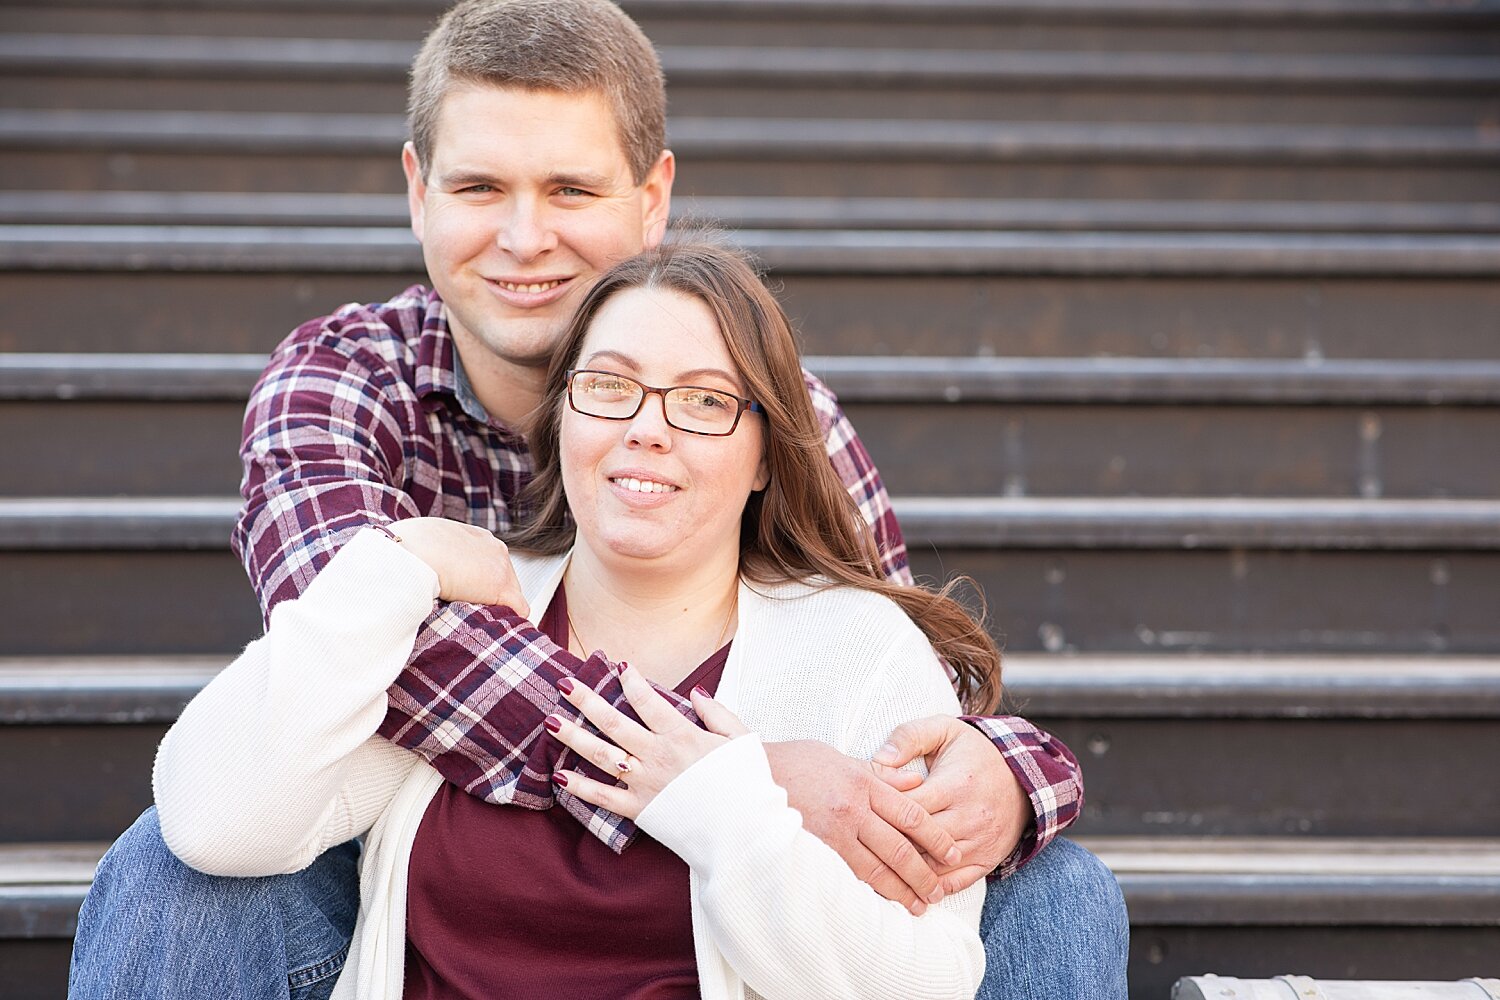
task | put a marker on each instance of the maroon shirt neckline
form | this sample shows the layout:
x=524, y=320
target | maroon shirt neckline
x=506, y=903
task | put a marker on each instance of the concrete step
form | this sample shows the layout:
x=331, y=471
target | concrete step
x=1062, y=574
x=1353, y=908
x=1045, y=427
x=1373, y=908
x=1238, y=729
x=800, y=252
x=1005, y=315
x=277, y=209
x=937, y=292
x=265, y=151
x=1110, y=25
x=98, y=71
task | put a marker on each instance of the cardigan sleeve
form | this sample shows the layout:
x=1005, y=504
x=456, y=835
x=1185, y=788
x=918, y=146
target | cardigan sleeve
x=276, y=759
x=785, y=910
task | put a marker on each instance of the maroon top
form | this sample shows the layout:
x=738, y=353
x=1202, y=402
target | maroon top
x=504, y=902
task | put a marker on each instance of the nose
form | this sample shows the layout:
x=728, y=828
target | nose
x=525, y=231
x=649, y=427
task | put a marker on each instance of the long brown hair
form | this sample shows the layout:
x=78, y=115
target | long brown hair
x=804, y=523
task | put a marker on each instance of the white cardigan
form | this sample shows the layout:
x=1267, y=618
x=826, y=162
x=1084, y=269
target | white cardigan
x=276, y=761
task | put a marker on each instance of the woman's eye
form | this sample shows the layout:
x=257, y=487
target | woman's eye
x=609, y=387
x=708, y=401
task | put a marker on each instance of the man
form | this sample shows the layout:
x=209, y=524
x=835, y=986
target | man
x=537, y=158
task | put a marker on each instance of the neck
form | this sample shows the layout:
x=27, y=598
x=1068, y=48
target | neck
x=509, y=392
x=662, y=623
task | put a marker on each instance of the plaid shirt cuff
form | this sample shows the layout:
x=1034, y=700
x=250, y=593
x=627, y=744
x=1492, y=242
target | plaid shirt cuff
x=455, y=708
x=1048, y=773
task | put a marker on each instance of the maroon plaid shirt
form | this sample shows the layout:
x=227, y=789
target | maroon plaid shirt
x=365, y=417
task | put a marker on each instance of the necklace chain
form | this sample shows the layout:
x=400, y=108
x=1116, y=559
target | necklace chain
x=584, y=649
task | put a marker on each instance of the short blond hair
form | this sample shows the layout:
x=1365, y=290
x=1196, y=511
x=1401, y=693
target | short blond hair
x=569, y=46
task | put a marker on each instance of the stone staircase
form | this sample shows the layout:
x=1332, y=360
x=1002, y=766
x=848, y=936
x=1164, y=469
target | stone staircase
x=1174, y=322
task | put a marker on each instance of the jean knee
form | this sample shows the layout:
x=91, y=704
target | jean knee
x=139, y=859
x=1085, y=875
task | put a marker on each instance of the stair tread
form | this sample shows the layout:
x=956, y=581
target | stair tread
x=1315, y=859
x=383, y=249
x=778, y=138
x=271, y=209
x=182, y=56
x=869, y=379
x=1091, y=522
x=140, y=689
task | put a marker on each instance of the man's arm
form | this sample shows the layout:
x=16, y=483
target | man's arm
x=328, y=436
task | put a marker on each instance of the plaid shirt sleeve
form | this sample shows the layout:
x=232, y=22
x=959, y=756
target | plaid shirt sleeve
x=1046, y=769
x=325, y=438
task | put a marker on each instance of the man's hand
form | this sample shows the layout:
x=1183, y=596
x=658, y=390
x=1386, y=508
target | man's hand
x=471, y=564
x=855, y=807
x=969, y=791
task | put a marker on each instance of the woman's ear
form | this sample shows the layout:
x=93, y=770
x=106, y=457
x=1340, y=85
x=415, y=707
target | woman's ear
x=762, y=473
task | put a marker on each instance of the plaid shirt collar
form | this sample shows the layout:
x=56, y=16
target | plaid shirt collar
x=440, y=369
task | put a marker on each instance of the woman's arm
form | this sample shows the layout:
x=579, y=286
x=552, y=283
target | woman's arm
x=787, y=912
x=274, y=761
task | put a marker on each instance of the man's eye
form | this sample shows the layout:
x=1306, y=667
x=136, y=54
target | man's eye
x=572, y=192
x=476, y=189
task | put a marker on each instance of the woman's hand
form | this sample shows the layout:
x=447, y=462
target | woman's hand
x=646, y=757
x=471, y=564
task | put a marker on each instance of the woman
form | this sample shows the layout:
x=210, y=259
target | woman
x=715, y=552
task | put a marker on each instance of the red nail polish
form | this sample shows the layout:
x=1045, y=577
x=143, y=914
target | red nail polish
x=623, y=667
x=700, y=689
x=553, y=723
x=565, y=685
x=560, y=780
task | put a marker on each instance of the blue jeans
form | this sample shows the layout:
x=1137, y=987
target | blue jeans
x=153, y=928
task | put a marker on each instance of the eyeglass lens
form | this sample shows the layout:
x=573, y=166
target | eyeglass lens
x=689, y=408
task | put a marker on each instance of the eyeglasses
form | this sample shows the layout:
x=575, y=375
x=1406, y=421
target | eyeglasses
x=692, y=408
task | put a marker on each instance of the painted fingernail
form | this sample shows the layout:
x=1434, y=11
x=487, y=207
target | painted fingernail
x=623, y=667
x=565, y=685
x=553, y=724
x=560, y=780
x=701, y=690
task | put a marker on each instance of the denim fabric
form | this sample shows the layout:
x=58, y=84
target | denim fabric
x=152, y=928
x=1055, y=930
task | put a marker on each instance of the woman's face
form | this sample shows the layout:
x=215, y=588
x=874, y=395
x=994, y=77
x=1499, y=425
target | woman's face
x=641, y=491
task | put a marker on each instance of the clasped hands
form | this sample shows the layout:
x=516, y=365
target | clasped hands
x=912, y=839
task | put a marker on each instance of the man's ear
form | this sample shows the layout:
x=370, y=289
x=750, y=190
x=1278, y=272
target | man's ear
x=416, y=188
x=656, y=198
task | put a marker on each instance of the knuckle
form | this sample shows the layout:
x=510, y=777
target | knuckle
x=904, y=856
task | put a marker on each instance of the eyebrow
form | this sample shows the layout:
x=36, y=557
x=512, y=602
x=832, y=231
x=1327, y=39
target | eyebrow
x=463, y=177
x=691, y=373
x=583, y=179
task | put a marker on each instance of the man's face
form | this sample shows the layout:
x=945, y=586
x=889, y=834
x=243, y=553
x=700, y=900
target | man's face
x=527, y=200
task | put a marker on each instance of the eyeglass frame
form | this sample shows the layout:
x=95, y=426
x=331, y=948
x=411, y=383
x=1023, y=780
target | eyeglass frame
x=646, y=390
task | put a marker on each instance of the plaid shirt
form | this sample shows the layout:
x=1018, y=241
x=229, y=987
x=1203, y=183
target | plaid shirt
x=365, y=417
